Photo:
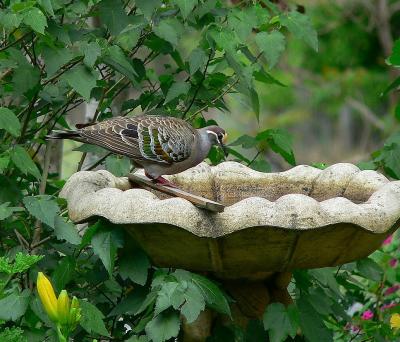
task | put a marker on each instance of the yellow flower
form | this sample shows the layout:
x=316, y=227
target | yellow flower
x=75, y=312
x=63, y=307
x=395, y=321
x=47, y=296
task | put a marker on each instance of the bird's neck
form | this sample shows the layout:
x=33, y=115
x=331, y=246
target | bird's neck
x=203, y=145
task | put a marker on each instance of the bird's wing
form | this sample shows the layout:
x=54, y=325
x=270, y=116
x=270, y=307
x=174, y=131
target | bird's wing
x=147, y=138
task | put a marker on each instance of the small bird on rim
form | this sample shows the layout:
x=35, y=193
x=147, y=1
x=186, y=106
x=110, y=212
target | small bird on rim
x=160, y=145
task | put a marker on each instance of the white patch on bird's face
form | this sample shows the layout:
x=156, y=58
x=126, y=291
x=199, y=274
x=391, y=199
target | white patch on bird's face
x=215, y=134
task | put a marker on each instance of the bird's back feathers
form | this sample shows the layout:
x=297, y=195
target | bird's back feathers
x=142, y=138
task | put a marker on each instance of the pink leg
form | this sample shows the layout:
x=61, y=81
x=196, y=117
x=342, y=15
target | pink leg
x=161, y=180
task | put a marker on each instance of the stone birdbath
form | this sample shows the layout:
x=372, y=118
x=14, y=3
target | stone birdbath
x=273, y=223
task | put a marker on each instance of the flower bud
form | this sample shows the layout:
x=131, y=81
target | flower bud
x=47, y=296
x=63, y=308
x=75, y=312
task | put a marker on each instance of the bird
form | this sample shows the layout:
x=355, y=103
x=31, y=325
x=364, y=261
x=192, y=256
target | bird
x=161, y=145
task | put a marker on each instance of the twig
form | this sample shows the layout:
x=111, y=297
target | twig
x=42, y=189
x=41, y=242
x=98, y=162
x=213, y=101
x=255, y=157
x=366, y=113
x=21, y=239
x=15, y=42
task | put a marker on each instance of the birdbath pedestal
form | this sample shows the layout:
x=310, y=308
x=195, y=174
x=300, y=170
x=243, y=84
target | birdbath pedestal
x=273, y=223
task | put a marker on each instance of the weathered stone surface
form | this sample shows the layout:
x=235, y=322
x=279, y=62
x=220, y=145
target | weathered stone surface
x=300, y=218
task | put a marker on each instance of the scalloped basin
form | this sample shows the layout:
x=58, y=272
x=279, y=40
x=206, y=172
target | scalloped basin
x=273, y=222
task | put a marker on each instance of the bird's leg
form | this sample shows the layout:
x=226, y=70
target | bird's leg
x=161, y=180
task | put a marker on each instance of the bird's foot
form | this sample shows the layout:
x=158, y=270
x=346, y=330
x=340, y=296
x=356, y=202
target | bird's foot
x=162, y=181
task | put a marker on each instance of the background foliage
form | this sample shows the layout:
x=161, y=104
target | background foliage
x=182, y=58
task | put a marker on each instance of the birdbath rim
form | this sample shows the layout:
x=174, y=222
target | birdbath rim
x=341, y=193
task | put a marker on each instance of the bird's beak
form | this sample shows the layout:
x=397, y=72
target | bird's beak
x=225, y=138
x=222, y=144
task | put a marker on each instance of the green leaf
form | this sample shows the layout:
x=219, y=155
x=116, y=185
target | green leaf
x=321, y=302
x=369, y=269
x=197, y=60
x=23, y=262
x=164, y=297
x=13, y=335
x=6, y=211
x=92, y=319
x=394, y=58
x=163, y=327
x=245, y=141
x=168, y=30
x=129, y=37
x=9, y=122
x=397, y=112
x=264, y=77
x=260, y=165
x=4, y=161
x=10, y=192
x=116, y=58
x=14, y=305
x=43, y=207
x=10, y=21
x=186, y=6
x=55, y=58
x=194, y=303
x=64, y=272
x=272, y=45
x=301, y=27
x=135, y=266
x=242, y=21
x=213, y=296
x=81, y=80
x=66, y=231
x=22, y=160
x=35, y=19
x=113, y=15
x=48, y=6
x=311, y=323
x=89, y=233
x=255, y=103
x=277, y=321
x=130, y=304
x=25, y=78
x=105, y=243
x=118, y=166
x=389, y=157
x=280, y=142
x=91, y=52
x=177, y=89
x=148, y=6
x=100, y=151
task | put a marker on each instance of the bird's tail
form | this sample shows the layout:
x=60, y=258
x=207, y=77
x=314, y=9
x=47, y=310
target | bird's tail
x=70, y=134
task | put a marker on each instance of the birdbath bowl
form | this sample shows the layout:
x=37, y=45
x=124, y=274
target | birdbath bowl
x=273, y=223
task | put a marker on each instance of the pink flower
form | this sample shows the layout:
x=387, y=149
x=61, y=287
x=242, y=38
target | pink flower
x=393, y=262
x=391, y=289
x=367, y=315
x=388, y=240
x=388, y=306
x=352, y=328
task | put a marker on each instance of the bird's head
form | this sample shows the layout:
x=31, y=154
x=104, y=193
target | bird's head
x=217, y=136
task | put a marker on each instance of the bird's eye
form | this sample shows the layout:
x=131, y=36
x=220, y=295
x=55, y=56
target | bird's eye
x=220, y=136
